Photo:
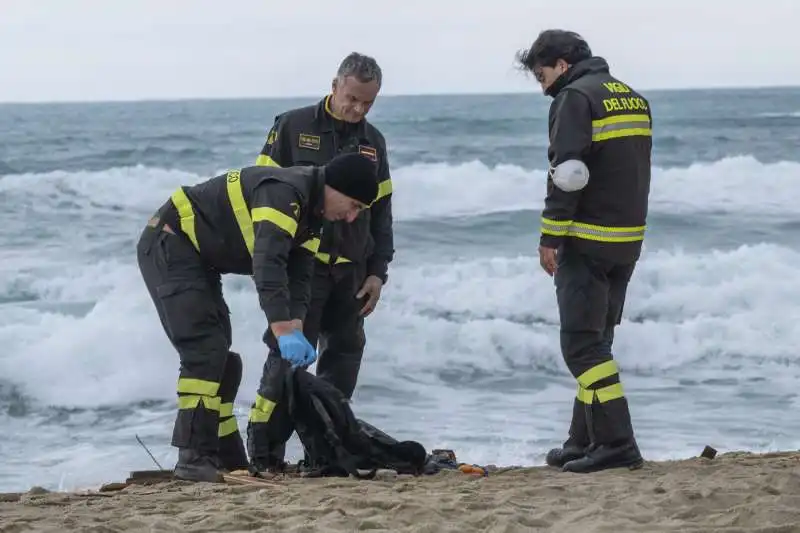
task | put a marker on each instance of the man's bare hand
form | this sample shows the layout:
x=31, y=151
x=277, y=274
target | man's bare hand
x=372, y=286
x=548, y=258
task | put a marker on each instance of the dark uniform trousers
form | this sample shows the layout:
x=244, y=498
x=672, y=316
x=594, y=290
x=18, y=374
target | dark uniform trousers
x=333, y=321
x=591, y=294
x=196, y=319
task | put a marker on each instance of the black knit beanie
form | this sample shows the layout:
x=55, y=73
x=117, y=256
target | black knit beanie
x=353, y=175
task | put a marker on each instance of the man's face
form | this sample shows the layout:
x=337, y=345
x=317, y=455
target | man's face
x=352, y=99
x=340, y=207
x=546, y=76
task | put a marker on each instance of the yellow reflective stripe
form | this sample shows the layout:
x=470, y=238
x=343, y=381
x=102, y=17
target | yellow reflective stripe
x=592, y=232
x=312, y=245
x=261, y=410
x=197, y=386
x=620, y=119
x=258, y=416
x=280, y=219
x=266, y=161
x=226, y=409
x=259, y=214
x=192, y=401
x=385, y=188
x=555, y=227
x=239, y=206
x=603, y=395
x=227, y=427
x=625, y=132
x=186, y=213
x=240, y=212
x=617, y=126
x=326, y=258
x=612, y=392
x=598, y=372
x=188, y=402
x=585, y=395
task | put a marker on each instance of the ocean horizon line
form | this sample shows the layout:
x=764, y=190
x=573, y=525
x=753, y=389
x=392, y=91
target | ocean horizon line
x=445, y=94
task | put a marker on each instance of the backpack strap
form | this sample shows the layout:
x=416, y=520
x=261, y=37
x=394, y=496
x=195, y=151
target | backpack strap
x=344, y=458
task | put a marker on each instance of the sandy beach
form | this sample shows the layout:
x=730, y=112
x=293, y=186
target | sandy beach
x=735, y=492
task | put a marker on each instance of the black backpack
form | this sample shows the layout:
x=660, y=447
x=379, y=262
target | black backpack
x=335, y=441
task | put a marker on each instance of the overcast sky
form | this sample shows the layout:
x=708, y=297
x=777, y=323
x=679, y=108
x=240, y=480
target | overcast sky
x=141, y=49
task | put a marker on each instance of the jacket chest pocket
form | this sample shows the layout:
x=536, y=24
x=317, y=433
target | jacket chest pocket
x=314, y=152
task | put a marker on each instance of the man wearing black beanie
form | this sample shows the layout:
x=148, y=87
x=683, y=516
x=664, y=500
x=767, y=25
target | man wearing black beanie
x=353, y=177
x=259, y=221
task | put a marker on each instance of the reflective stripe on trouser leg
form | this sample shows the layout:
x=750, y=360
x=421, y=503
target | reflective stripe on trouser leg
x=589, y=392
x=197, y=422
x=231, y=447
x=608, y=417
x=268, y=425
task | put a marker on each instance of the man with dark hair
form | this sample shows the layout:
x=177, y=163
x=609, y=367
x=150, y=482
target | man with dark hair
x=258, y=221
x=593, y=225
x=352, y=261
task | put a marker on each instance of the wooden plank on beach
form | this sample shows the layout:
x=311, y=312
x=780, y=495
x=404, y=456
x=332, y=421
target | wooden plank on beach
x=151, y=474
x=243, y=477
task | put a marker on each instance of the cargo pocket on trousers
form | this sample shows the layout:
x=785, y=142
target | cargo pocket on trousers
x=190, y=311
x=582, y=300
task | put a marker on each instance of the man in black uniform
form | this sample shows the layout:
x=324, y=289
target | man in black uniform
x=593, y=225
x=352, y=260
x=254, y=221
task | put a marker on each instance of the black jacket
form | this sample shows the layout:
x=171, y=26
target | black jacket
x=603, y=122
x=311, y=136
x=259, y=221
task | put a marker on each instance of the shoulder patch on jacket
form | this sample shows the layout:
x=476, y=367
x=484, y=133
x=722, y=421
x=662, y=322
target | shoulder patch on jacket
x=368, y=151
x=306, y=140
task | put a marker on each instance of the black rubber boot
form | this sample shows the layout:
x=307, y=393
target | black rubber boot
x=578, y=438
x=271, y=464
x=196, y=466
x=231, y=453
x=603, y=457
x=560, y=456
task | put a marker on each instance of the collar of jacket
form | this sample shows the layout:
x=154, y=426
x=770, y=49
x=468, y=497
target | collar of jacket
x=578, y=70
x=326, y=122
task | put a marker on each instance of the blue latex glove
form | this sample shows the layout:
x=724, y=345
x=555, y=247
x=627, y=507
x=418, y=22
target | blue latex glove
x=296, y=349
x=311, y=352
